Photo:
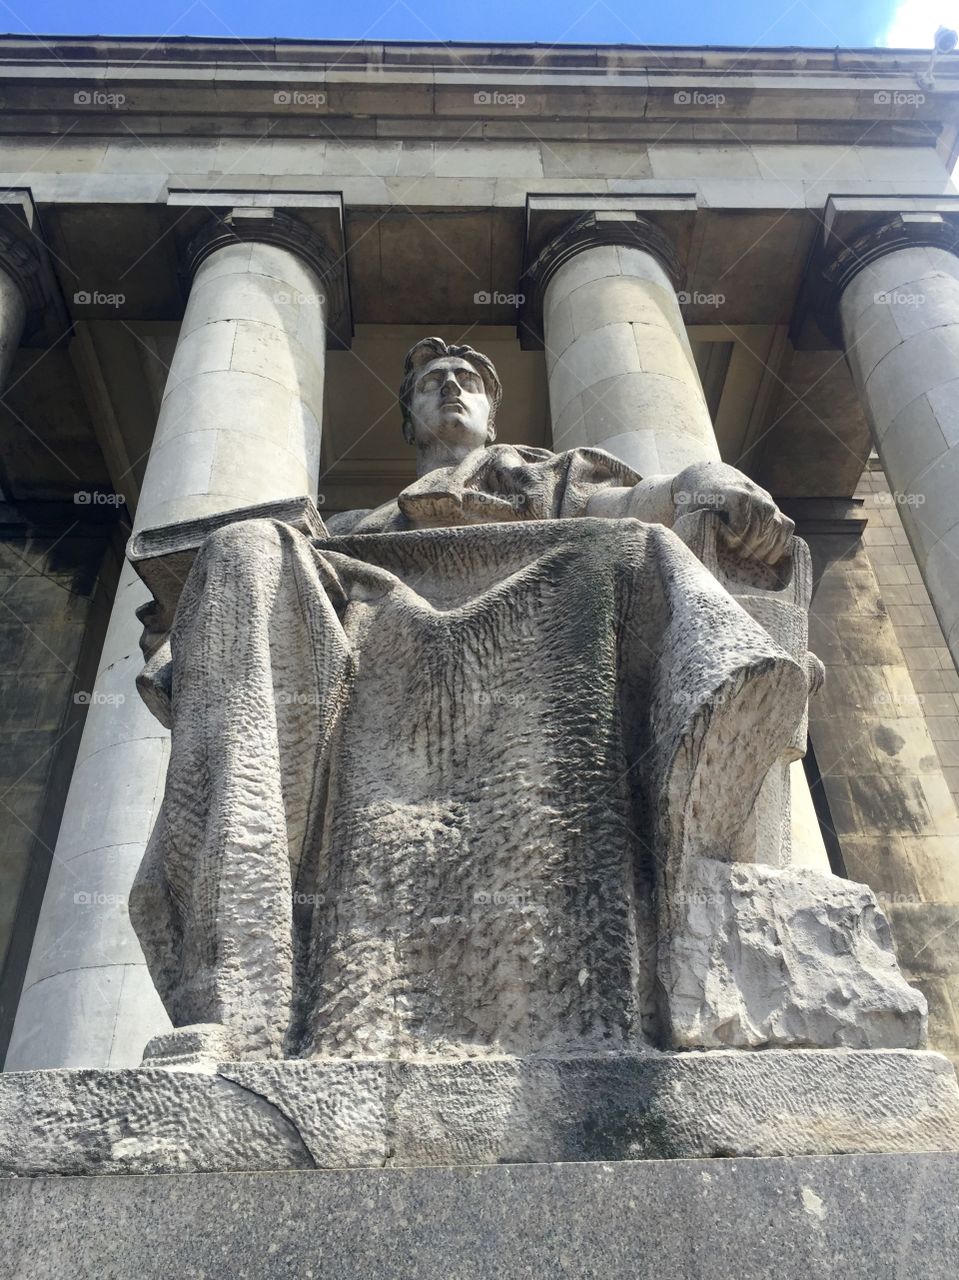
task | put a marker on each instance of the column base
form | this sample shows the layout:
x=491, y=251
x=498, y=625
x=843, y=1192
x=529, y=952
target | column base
x=372, y=1113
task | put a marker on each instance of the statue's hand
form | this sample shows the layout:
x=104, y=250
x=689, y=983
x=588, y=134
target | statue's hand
x=754, y=524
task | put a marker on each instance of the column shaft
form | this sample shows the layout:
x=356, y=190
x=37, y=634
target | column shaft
x=621, y=371
x=239, y=424
x=13, y=313
x=622, y=377
x=900, y=324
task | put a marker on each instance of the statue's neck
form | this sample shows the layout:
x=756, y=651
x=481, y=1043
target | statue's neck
x=434, y=454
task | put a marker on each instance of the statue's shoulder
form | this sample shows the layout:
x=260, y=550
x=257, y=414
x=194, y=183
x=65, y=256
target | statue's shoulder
x=582, y=458
x=581, y=465
x=526, y=452
x=598, y=465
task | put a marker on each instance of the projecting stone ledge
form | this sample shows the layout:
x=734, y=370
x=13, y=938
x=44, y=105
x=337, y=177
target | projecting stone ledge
x=365, y=1113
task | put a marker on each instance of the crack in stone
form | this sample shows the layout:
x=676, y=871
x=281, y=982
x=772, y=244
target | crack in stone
x=274, y=1106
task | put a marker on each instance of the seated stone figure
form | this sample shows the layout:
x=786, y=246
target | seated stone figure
x=435, y=772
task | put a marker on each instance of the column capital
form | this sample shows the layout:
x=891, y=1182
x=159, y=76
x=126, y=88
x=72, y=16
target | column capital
x=858, y=232
x=21, y=262
x=273, y=226
x=589, y=231
x=902, y=231
x=23, y=257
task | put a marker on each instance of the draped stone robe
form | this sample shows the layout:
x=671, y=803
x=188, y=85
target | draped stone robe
x=425, y=772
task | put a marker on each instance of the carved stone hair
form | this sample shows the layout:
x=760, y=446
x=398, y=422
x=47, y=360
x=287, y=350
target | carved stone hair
x=434, y=349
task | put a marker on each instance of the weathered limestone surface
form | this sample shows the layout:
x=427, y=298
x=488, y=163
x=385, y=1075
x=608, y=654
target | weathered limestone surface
x=891, y=806
x=368, y=1113
x=759, y=956
x=622, y=375
x=442, y=784
x=900, y=324
x=891, y=1217
x=777, y=597
x=455, y=837
x=475, y=875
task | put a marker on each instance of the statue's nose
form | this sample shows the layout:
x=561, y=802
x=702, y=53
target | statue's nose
x=450, y=387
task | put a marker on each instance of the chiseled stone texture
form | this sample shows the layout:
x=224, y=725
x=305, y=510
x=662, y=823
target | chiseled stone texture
x=370, y=1113
x=784, y=957
x=476, y=696
x=239, y=423
x=433, y=916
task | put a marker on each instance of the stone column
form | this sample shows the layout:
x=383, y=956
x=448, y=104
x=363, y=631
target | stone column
x=621, y=371
x=239, y=424
x=896, y=289
x=13, y=313
x=25, y=298
x=622, y=377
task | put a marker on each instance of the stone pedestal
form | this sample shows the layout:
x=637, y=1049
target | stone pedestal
x=369, y=1113
x=891, y=1217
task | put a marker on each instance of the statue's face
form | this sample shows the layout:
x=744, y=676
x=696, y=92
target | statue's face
x=449, y=402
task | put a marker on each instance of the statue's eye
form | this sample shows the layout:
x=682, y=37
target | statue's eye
x=471, y=381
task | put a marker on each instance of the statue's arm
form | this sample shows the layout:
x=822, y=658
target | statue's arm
x=755, y=525
x=650, y=500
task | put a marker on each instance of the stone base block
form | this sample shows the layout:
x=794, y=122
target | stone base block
x=886, y=1217
x=371, y=1113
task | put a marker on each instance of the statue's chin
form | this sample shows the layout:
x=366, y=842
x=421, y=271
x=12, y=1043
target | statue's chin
x=455, y=428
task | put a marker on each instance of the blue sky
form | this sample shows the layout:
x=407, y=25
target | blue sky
x=827, y=23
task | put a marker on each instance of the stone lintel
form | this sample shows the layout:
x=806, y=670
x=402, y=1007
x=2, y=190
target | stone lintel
x=813, y=516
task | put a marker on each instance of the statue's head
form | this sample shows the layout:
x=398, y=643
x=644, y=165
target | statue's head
x=450, y=392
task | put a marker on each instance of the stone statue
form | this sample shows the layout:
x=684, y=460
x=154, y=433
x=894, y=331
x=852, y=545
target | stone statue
x=475, y=843
x=464, y=775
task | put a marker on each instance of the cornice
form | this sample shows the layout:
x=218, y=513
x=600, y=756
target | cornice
x=168, y=51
